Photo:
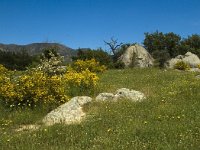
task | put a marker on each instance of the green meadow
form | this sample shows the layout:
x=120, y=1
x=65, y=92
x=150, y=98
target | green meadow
x=169, y=117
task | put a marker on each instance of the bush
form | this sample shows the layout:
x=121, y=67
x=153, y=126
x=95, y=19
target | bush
x=92, y=65
x=17, y=60
x=80, y=82
x=180, y=65
x=119, y=65
x=51, y=63
x=198, y=66
x=99, y=55
x=38, y=87
x=31, y=89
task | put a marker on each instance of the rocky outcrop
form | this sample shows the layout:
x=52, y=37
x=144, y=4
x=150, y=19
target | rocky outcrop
x=191, y=59
x=122, y=93
x=137, y=56
x=70, y=112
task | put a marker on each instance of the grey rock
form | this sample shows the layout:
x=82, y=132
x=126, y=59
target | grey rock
x=137, y=56
x=122, y=93
x=68, y=113
x=198, y=76
x=105, y=97
x=132, y=95
x=194, y=70
x=191, y=59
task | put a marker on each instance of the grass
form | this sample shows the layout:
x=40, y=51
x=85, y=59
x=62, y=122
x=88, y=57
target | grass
x=168, y=119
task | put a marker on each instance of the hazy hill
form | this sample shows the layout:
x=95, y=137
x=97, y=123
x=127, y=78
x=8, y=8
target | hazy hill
x=37, y=48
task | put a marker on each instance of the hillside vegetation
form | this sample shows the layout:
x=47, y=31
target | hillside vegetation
x=167, y=119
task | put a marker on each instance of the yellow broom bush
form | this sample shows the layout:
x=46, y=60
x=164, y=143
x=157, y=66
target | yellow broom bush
x=92, y=65
x=35, y=86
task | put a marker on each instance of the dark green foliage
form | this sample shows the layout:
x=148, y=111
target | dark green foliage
x=119, y=65
x=165, y=46
x=99, y=55
x=192, y=44
x=160, y=58
x=159, y=41
x=50, y=52
x=17, y=61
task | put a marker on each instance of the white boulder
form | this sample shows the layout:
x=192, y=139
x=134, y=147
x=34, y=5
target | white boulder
x=122, y=93
x=137, y=56
x=70, y=112
x=132, y=95
x=105, y=97
x=189, y=58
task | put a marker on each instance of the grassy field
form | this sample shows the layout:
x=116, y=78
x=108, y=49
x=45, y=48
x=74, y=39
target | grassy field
x=168, y=119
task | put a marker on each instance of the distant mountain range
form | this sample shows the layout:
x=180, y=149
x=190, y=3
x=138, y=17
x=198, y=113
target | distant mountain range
x=37, y=48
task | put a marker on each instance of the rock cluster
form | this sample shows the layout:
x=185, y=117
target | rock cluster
x=71, y=112
x=189, y=58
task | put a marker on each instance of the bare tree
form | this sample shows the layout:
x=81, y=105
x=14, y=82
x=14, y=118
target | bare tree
x=113, y=44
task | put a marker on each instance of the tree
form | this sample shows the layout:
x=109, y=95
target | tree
x=113, y=45
x=17, y=60
x=99, y=55
x=162, y=46
x=192, y=44
x=158, y=41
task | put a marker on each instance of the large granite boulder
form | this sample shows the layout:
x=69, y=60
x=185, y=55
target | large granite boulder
x=137, y=56
x=122, y=93
x=191, y=59
x=70, y=112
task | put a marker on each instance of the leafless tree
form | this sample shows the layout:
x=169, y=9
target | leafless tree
x=113, y=44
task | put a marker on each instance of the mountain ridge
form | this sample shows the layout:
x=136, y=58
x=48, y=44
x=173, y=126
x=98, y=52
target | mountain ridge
x=37, y=48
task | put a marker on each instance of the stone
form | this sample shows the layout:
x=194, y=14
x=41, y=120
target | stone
x=68, y=113
x=105, y=97
x=191, y=59
x=137, y=56
x=198, y=77
x=132, y=95
x=30, y=127
x=122, y=93
x=194, y=70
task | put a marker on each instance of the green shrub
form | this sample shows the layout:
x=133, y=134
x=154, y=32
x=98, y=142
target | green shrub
x=99, y=55
x=119, y=65
x=180, y=65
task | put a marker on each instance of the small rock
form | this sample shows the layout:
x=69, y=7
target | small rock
x=70, y=112
x=30, y=127
x=105, y=97
x=129, y=94
x=194, y=70
x=198, y=76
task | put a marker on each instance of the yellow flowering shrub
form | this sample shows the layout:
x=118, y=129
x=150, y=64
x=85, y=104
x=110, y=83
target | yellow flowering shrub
x=198, y=66
x=92, y=65
x=37, y=86
x=31, y=89
x=83, y=79
x=180, y=65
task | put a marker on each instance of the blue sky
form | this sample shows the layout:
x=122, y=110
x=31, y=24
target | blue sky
x=87, y=23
